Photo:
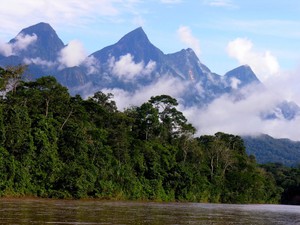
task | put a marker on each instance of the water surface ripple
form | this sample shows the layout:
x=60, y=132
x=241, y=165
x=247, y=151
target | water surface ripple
x=42, y=211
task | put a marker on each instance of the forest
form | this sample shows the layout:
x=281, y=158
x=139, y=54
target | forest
x=54, y=145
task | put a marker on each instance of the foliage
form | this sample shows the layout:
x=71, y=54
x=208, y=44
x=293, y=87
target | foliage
x=61, y=146
x=288, y=180
x=11, y=76
x=271, y=150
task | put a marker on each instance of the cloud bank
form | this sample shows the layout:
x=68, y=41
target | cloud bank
x=69, y=11
x=127, y=69
x=40, y=62
x=243, y=117
x=91, y=64
x=72, y=55
x=164, y=85
x=225, y=114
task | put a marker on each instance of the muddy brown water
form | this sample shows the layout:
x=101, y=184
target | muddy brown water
x=44, y=211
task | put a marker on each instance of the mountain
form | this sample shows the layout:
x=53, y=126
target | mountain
x=241, y=77
x=268, y=149
x=46, y=46
x=284, y=110
x=133, y=50
x=135, y=43
x=130, y=65
x=184, y=66
x=38, y=46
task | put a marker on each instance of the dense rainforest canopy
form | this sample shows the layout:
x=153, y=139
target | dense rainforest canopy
x=61, y=146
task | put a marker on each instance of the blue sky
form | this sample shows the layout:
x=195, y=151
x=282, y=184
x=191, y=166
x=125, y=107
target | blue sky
x=266, y=27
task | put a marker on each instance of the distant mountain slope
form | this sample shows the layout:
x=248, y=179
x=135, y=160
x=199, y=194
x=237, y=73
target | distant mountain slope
x=132, y=65
x=268, y=149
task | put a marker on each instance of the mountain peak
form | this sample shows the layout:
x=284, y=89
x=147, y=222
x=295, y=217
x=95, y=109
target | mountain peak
x=47, y=40
x=187, y=64
x=136, y=36
x=135, y=43
x=39, y=26
x=39, y=29
x=243, y=73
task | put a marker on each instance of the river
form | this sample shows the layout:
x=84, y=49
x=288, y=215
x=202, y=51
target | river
x=43, y=211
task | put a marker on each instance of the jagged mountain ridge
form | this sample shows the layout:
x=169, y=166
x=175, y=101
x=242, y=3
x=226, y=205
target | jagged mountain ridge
x=46, y=48
x=101, y=69
x=183, y=65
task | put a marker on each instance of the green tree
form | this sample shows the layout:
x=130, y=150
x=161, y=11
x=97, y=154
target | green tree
x=146, y=124
x=11, y=76
x=173, y=122
x=47, y=165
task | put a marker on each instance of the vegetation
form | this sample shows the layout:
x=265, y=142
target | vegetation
x=271, y=150
x=60, y=146
x=288, y=179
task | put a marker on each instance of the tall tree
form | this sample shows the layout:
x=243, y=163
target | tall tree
x=11, y=76
x=173, y=122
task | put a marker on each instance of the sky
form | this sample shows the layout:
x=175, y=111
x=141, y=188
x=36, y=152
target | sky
x=224, y=34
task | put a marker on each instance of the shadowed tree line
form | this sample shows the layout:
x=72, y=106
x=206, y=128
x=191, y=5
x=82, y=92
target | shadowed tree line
x=60, y=146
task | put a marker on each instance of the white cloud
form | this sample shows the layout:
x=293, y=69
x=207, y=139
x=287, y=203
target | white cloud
x=286, y=85
x=234, y=83
x=71, y=14
x=150, y=67
x=127, y=70
x=165, y=85
x=243, y=117
x=264, y=64
x=186, y=36
x=57, y=10
x=21, y=43
x=72, y=55
x=6, y=49
x=226, y=114
x=125, y=67
x=221, y=3
x=39, y=61
x=92, y=64
x=170, y=1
